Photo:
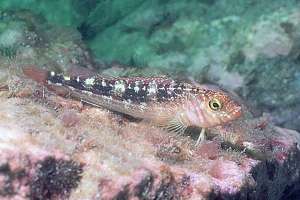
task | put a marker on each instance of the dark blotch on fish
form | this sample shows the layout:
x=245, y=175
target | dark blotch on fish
x=99, y=89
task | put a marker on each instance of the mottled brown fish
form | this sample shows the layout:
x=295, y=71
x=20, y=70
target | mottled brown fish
x=171, y=104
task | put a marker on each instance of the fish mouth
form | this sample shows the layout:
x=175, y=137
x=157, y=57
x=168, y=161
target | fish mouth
x=236, y=112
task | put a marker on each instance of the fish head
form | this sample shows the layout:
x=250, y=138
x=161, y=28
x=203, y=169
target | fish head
x=211, y=108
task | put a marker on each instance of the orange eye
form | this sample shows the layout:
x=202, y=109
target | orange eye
x=215, y=104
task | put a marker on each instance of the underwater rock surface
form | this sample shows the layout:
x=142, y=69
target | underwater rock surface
x=56, y=148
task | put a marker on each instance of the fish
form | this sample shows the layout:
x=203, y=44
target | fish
x=171, y=104
x=4, y=88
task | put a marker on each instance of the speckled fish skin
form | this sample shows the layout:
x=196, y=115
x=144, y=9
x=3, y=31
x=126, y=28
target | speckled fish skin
x=161, y=100
x=134, y=90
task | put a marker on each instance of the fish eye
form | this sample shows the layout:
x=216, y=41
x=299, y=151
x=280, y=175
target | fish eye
x=215, y=104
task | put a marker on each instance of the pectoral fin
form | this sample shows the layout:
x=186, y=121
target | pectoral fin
x=174, y=125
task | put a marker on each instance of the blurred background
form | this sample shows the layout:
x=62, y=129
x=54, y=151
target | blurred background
x=251, y=47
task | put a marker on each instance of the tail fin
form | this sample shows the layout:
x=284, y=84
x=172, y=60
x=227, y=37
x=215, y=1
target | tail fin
x=4, y=88
x=36, y=74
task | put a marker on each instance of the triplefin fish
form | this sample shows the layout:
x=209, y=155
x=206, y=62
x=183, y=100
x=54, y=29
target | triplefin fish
x=171, y=104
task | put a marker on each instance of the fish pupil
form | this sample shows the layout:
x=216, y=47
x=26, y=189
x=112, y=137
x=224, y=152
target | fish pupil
x=215, y=105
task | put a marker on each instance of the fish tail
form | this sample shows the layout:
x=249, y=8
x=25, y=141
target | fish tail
x=36, y=74
x=4, y=88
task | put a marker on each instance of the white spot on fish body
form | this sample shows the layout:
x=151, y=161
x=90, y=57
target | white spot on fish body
x=119, y=87
x=152, y=90
x=103, y=83
x=136, y=89
x=89, y=81
x=67, y=78
x=77, y=79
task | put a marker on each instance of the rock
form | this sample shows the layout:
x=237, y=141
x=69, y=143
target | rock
x=26, y=40
x=55, y=12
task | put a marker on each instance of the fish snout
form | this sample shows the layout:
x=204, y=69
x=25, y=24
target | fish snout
x=236, y=112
